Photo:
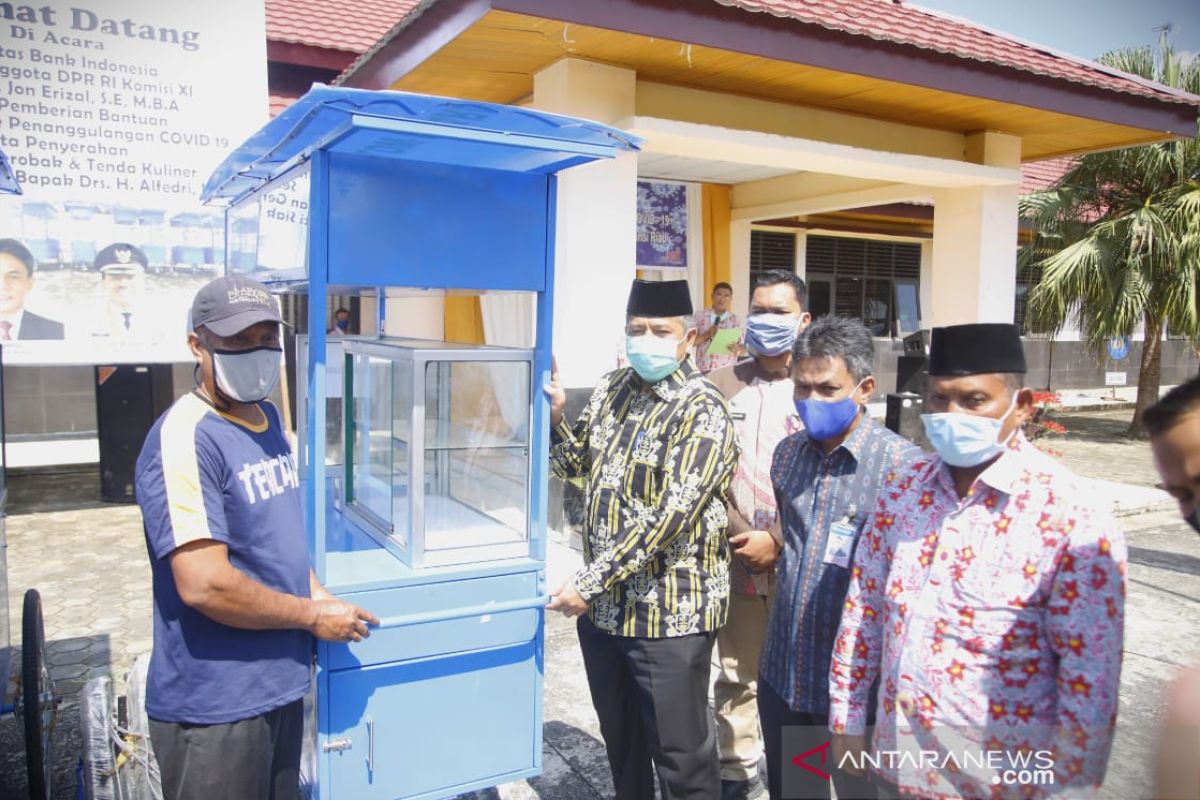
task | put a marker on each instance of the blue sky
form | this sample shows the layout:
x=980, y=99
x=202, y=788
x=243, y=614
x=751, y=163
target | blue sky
x=1083, y=27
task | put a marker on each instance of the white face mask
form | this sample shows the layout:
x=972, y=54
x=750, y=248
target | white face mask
x=247, y=376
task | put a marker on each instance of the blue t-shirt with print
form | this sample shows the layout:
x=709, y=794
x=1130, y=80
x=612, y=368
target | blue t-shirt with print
x=202, y=475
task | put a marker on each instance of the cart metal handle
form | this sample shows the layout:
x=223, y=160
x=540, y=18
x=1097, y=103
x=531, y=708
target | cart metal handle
x=404, y=620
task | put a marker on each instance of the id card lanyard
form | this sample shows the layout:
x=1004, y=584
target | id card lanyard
x=839, y=544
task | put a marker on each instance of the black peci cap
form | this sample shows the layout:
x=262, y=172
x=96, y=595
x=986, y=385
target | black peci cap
x=659, y=299
x=232, y=303
x=978, y=349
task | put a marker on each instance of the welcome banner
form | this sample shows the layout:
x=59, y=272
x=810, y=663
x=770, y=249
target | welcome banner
x=113, y=113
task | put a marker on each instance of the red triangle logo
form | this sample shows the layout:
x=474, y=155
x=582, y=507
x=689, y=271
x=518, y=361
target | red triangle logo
x=823, y=750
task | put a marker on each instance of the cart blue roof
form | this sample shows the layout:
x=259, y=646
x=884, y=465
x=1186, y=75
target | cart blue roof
x=8, y=179
x=415, y=127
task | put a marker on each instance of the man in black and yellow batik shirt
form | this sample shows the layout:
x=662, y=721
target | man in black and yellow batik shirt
x=655, y=448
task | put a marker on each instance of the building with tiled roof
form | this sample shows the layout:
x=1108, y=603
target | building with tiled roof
x=877, y=147
x=1037, y=176
x=311, y=41
x=904, y=24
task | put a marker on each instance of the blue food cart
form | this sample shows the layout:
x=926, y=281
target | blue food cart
x=424, y=462
x=34, y=703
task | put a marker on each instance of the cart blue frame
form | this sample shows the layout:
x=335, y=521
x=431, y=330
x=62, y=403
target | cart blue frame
x=422, y=193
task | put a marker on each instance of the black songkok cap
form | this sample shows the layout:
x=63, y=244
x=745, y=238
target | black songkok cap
x=659, y=299
x=980, y=349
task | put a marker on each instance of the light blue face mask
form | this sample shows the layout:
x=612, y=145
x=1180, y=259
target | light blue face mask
x=771, y=334
x=651, y=357
x=966, y=440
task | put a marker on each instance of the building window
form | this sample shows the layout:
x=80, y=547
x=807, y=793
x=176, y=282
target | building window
x=1027, y=279
x=771, y=250
x=876, y=281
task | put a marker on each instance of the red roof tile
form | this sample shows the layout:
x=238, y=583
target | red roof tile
x=1039, y=175
x=891, y=21
x=352, y=25
x=278, y=102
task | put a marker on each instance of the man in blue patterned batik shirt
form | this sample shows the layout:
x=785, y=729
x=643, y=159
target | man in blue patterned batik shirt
x=826, y=480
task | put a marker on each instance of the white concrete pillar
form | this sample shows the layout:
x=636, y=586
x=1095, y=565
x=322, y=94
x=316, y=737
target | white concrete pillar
x=975, y=241
x=368, y=315
x=695, y=247
x=925, y=291
x=597, y=223
x=739, y=265
x=419, y=315
x=800, y=265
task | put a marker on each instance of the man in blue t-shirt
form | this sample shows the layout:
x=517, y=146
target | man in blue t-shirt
x=236, y=605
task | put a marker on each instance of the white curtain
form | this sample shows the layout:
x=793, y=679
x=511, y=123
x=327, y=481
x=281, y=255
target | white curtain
x=508, y=319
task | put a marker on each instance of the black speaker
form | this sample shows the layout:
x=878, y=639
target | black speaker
x=129, y=398
x=911, y=376
x=904, y=411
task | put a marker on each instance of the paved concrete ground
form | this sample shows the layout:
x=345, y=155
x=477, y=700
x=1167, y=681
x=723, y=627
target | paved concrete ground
x=88, y=560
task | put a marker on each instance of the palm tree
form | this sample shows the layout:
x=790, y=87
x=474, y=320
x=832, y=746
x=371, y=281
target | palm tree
x=1117, y=239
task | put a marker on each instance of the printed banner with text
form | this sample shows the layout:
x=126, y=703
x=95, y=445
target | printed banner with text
x=662, y=220
x=113, y=114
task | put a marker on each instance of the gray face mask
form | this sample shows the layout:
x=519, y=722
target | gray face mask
x=247, y=376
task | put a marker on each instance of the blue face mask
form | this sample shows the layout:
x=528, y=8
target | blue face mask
x=966, y=440
x=771, y=334
x=825, y=419
x=651, y=357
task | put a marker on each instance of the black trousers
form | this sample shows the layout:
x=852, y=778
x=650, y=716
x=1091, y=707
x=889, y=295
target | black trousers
x=251, y=759
x=774, y=715
x=651, y=696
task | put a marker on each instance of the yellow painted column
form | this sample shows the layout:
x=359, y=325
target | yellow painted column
x=739, y=265
x=463, y=319
x=715, y=200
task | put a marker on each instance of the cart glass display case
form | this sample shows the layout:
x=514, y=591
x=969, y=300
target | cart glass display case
x=438, y=436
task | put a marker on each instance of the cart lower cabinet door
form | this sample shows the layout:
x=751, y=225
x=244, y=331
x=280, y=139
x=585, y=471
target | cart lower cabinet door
x=433, y=728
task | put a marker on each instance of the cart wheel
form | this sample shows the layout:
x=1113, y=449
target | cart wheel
x=39, y=707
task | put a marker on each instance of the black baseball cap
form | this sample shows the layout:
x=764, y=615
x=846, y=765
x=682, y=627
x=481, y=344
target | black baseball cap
x=232, y=303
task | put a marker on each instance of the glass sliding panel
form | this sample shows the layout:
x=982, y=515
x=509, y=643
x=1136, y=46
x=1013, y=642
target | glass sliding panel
x=371, y=429
x=401, y=422
x=476, y=454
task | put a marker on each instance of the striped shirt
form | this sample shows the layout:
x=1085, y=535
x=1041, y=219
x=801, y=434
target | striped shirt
x=656, y=461
x=814, y=490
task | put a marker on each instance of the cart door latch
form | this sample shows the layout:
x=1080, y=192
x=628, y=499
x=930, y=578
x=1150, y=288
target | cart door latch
x=337, y=745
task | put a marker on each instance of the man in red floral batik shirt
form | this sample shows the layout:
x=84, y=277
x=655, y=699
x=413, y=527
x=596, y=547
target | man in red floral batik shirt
x=987, y=598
